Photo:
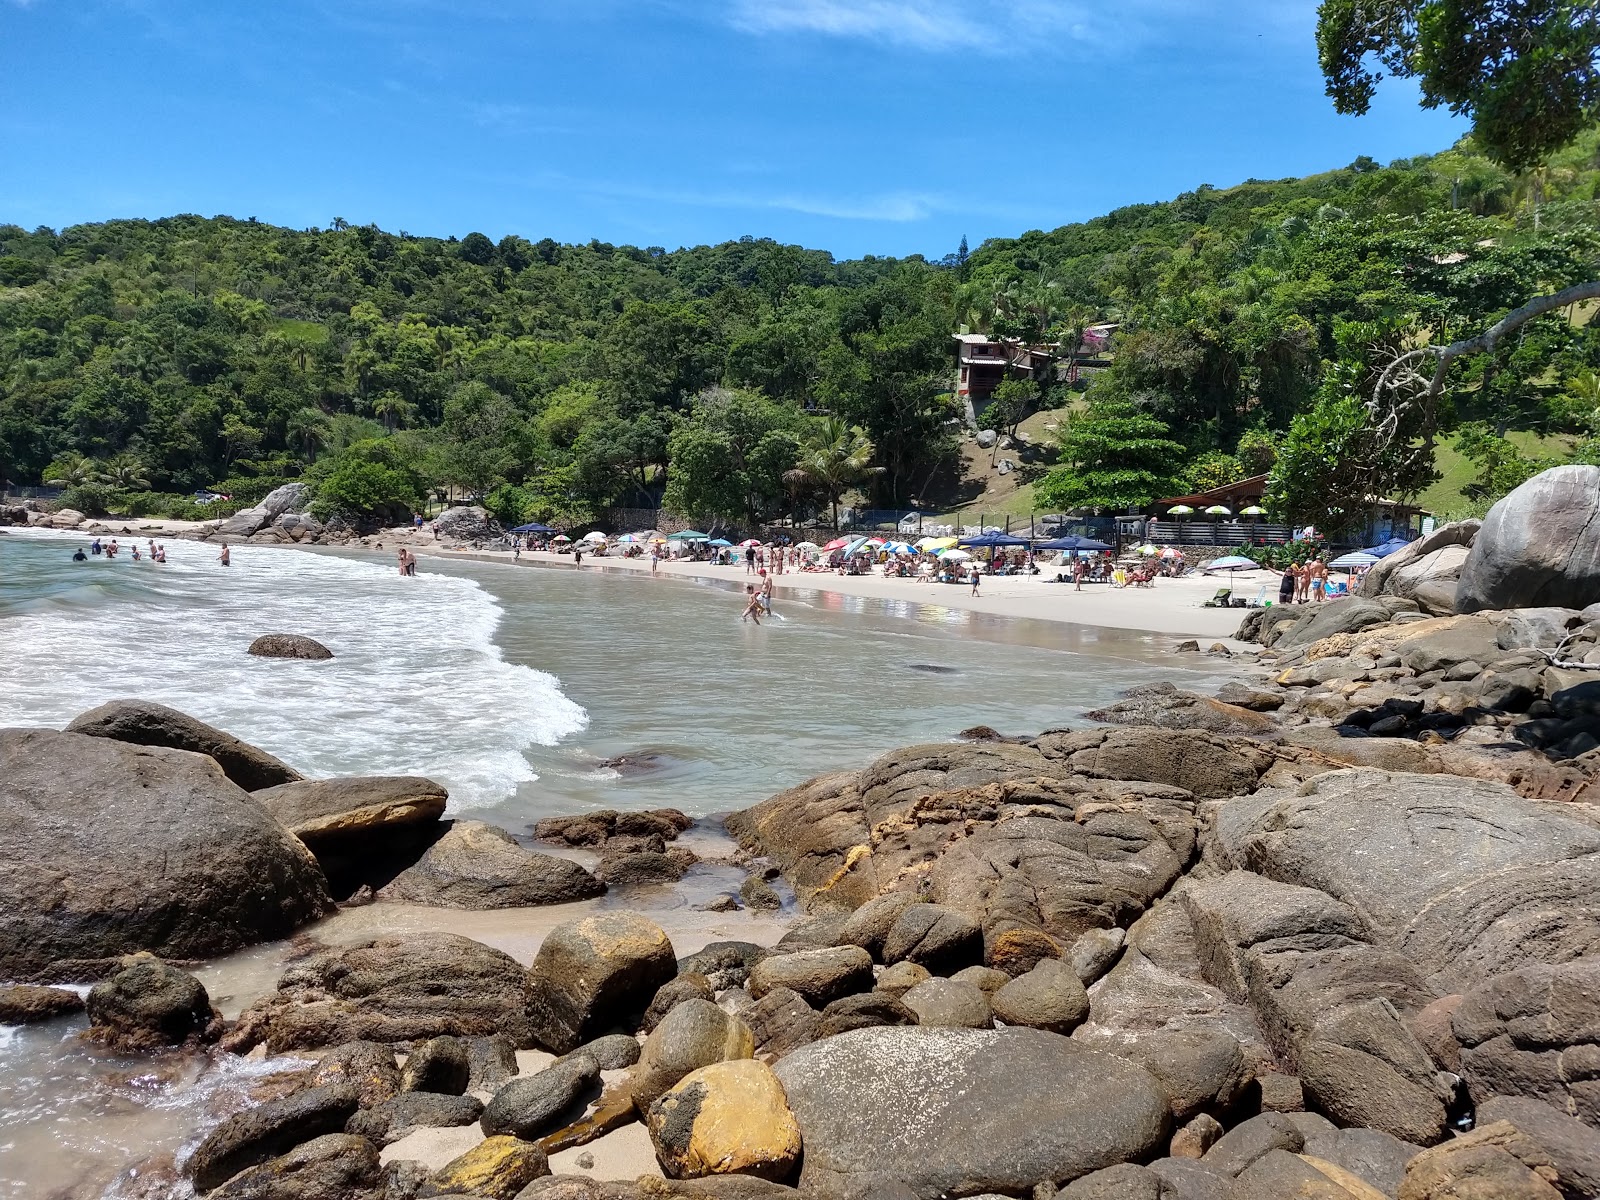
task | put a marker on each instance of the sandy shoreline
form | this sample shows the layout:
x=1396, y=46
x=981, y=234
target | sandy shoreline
x=1172, y=607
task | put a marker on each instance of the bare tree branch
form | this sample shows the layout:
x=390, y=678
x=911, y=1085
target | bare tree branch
x=1510, y=323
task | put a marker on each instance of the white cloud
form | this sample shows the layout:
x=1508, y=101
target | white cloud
x=926, y=26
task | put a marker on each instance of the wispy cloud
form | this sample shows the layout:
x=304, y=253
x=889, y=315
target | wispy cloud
x=979, y=25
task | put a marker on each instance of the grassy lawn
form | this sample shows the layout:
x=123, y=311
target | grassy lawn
x=1445, y=499
x=311, y=331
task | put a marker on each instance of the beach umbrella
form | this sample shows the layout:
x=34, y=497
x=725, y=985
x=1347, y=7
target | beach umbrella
x=936, y=544
x=1388, y=548
x=748, y=542
x=1179, y=510
x=1233, y=562
x=838, y=543
x=953, y=555
x=689, y=535
x=1073, y=542
x=1255, y=510
x=1219, y=510
x=807, y=547
x=630, y=539
x=990, y=539
x=1172, y=552
x=877, y=542
x=1356, y=558
x=720, y=543
x=533, y=527
x=561, y=537
x=594, y=535
x=1147, y=549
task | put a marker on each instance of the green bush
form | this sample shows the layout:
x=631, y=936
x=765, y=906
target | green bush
x=169, y=506
x=91, y=499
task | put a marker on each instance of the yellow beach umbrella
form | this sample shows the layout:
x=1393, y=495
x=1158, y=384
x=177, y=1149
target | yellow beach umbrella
x=940, y=544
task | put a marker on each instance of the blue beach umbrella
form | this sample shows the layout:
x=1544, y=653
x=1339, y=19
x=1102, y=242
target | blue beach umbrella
x=990, y=540
x=1388, y=548
x=719, y=542
x=1072, y=542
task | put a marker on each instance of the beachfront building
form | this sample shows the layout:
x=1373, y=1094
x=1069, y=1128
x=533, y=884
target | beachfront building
x=1240, y=526
x=984, y=362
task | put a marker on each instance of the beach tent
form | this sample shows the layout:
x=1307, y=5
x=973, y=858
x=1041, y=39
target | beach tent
x=1233, y=562
x=1388, y=548
x=1073, y=542
x=1356, y=558
x=533, y=527
x=688, y=535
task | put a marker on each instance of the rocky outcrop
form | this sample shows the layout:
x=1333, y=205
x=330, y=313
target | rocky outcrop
x=150, y=1004
x=466, y=523
x=363, y=829
x=594, y=974
x=1539, y=546
x=957, y=1111
x=393, y=989
x=289, y=645
x=291, y=497
x=1162, y=705
x=1427, y=571
x=400, y=1116
x=143, y=723
x=335, y=1166
x=113, y=848
x=478, y=866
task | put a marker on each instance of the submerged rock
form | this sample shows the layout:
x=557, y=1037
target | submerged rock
x=113, y=848
x=25, y=1003
x=289, y=645
x=149, y=1004
x=255, y=1135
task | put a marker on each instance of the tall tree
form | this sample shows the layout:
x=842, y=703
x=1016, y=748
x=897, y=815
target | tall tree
x=1114, y=457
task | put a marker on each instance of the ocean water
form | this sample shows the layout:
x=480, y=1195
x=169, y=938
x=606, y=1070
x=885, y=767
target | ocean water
x=517, y=689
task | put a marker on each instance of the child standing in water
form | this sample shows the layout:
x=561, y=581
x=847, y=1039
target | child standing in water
x=752, y=607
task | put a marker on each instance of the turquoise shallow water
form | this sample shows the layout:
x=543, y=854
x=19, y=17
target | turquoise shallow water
x=510, y=685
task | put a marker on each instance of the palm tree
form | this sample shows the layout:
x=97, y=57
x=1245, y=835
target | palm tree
x=126, y=473
x=310, y=426
x=73, y=470
x=840, y=458
x=393, y=410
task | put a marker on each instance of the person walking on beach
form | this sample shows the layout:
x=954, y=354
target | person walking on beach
x=655, y=560
x=1079, y=570
x=977, y=577
x=225, y=558
x=752, y=606
x=577, y=558
x=1286, y=586
x=749, y=560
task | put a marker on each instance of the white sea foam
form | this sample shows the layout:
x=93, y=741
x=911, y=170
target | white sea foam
x=417, y=684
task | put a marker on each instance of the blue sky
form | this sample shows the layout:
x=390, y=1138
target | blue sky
x=859, y=126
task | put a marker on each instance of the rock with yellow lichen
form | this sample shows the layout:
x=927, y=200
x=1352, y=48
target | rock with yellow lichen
x=726, y=1119
x=497, y=1167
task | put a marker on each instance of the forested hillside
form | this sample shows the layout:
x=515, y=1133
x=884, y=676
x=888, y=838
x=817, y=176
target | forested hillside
x=142, y=360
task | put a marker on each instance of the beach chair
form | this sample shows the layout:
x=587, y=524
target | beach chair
x=1222, y=599
x=1261, y=597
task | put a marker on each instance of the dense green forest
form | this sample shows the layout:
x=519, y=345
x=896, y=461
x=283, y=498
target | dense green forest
x=141, y=360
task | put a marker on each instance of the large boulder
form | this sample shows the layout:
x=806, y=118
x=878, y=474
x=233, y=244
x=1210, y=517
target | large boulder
x=291, y=497
x=1164, y=706
x=818, y=976
x=393, y=989
x=149, y=1004
x=1539, y=546
x=480, y=866
x=596, y=973
x=1427, y=571
x=268, y=1130
x=695, y=1034
x=400, y=1116
x=1326, y=620
x=729, y=1118
x=961, y=1111
x=497, y=1168
x=466, y=523
x=112, y=848
x=143, y=723
x=364, y=829
x=335, y=1166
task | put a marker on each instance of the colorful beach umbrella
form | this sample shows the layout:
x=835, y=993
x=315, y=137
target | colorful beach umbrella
x=1179, y=510
x=1219, y=510
x=1255, y=510
x=561, y=537
x=748, y=543
x=838, y=543
x=1233, y=562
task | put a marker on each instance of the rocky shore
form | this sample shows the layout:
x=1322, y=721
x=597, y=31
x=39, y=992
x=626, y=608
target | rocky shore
x=1332, y=933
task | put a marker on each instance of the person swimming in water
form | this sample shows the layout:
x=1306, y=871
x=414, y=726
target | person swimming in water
x=79, y=556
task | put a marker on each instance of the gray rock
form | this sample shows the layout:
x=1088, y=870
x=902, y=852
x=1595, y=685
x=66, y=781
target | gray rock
x=478, y=866
x=862, y=1011
x=901, y=978
x=962, y=1111
x=758, y=894
x=614, y=1052
x=1539, y=546
x=986, y=979
x=1368, y=1154
x=869, y=925
x=289, y=645
x=466, y=523
x=143, y=723
x=335, y=1166
x=325, y=812
x=1185, y=1179
x=817, y=976
x=148, y=1004
x=594, y=974
x=1255, y=1138
x=932, y=936
x=1427, y=571
x=395, y=1118
x=255, y=1135
x=724, y=964
x=112, y=848
x=1051, y=996
x=1280, y=1173
x=1338, y=616
x=493, y=1061
x=1125, y=1181
x=686, y=986
x=1570, y=1144
x=695, y=1034
x=392, y=989
x=949, y=1004
x=1165, y=707
x=441, y=1064
x=290, y=497
x=531, y=1107
x=1198, y=1068
x=1095, y=953
x=780, y=1022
